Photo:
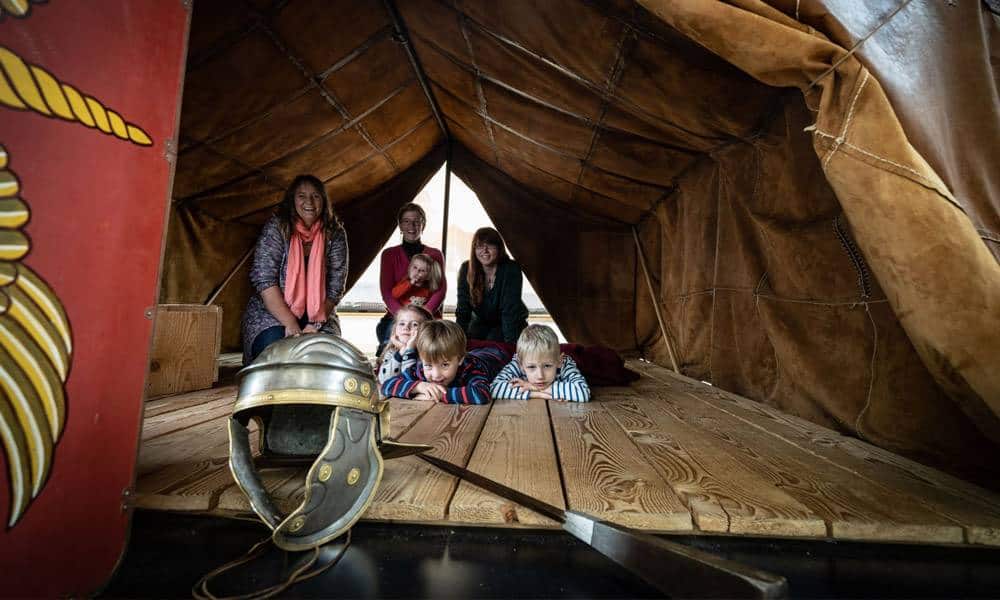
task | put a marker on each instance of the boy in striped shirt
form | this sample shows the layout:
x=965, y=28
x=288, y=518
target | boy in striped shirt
x=445, y=371
x=540, y=370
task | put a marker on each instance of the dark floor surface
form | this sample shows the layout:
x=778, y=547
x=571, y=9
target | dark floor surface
x=168, y=553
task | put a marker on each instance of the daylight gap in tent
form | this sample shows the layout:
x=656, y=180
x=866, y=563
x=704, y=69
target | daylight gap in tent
x=362, y=306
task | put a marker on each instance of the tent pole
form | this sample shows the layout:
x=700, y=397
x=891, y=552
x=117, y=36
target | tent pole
x=402, y=36
x=447, y=201
x=652, y=296
x=229, y=277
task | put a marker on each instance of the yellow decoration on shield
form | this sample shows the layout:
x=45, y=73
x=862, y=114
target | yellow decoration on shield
x=35, y=353
x=24, y=86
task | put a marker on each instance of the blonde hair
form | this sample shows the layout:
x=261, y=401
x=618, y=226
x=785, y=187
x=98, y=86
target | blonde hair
x=433, y=270
x=537, y=341
x=438, y=340
x=425, y=315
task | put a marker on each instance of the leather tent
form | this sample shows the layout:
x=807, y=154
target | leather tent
x=814, y=183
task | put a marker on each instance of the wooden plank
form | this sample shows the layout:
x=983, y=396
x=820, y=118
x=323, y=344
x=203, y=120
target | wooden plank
x=517, y=450
x=976, y=509
x=200, y=491
x=852, y=507
x=176, y=420
x=605, y=475
x=403, y=414
x=161, y=479
x=276, y=480
x=167, y=404
x=203, y=441
x=722, y=495
x=412, y=490
x=185, y=348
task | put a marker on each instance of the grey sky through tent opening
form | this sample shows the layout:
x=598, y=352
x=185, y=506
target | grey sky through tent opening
x=466, y=214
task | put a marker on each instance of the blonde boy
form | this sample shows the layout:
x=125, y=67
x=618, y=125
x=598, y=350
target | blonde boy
x=445, y=371
x=540, y=370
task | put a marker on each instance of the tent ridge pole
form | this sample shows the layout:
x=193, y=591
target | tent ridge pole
x=403, y=37
x=652, y=296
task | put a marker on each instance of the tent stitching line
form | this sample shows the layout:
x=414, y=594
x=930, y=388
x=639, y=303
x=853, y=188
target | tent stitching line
x=856, y=46
x=227, y=41
x=591, y=216
x=278, y=184
x=847, y=122
x=569, y=73
x=361, y=162
x=323, y=138
x=564, y=111
x=324, y=92
x=617, y=68
x=604, y=219
x=463, y=27
x=554, y=150
x=758, y=294
x=846, y=144
x=343, y=62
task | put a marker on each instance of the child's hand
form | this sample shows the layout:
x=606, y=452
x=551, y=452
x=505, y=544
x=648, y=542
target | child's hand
x=541, y=395
x=522, y=385
x=433, y=391
x=312, y=328
x=395, y=343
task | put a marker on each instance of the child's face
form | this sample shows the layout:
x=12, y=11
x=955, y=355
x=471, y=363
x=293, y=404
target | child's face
x=419, y=272
x=407, y=324
x=441, y=371
x=540, y=370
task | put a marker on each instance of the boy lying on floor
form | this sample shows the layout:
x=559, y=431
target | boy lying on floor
x=445, y=371
x=540, y=370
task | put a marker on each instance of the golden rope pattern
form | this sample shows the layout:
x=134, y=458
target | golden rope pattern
x=17, y=8
x=35, y=353
x=24, y=86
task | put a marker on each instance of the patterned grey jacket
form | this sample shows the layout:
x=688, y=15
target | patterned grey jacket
x=270, y=260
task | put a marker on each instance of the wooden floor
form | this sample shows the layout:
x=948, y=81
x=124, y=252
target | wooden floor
x=666, y=454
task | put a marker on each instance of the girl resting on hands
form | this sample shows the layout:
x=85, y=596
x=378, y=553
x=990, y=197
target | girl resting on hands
x=400, y=351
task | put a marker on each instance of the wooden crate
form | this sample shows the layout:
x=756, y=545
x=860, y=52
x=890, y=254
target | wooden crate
x=186, y=339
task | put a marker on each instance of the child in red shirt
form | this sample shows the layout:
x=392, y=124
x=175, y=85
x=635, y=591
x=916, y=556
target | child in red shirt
x=423, y=278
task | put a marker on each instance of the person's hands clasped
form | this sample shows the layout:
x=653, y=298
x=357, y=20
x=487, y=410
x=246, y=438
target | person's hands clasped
x=426, y=390
x=534, y=391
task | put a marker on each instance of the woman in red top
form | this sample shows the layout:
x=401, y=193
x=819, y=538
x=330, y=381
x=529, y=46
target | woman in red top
x=396, y=264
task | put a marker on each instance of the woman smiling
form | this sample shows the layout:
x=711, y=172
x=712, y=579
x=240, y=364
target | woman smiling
x=489, y=291
x=299, y=269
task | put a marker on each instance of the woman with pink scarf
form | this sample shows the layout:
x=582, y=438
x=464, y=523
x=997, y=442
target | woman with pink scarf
x=299, y=270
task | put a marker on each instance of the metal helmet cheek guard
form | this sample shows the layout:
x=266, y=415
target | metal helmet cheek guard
x=316, y=400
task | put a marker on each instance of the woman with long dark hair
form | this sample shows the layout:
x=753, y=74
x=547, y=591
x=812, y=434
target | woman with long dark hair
x=489, y=291
x=299, y=269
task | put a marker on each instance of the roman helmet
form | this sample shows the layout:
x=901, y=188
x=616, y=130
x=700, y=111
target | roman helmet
x=316, y=403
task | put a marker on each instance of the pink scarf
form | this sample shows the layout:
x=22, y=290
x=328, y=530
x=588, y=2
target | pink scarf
x=305, y=287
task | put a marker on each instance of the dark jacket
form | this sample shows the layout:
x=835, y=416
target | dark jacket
x=502, y=315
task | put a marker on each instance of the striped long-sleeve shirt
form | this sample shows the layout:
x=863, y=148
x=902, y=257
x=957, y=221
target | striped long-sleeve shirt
x=470, y=386
x=569, y=383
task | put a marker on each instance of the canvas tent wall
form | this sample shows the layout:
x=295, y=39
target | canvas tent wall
x=813, y=182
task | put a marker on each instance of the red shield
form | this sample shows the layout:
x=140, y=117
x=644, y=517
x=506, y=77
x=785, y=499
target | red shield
x=89, y=101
